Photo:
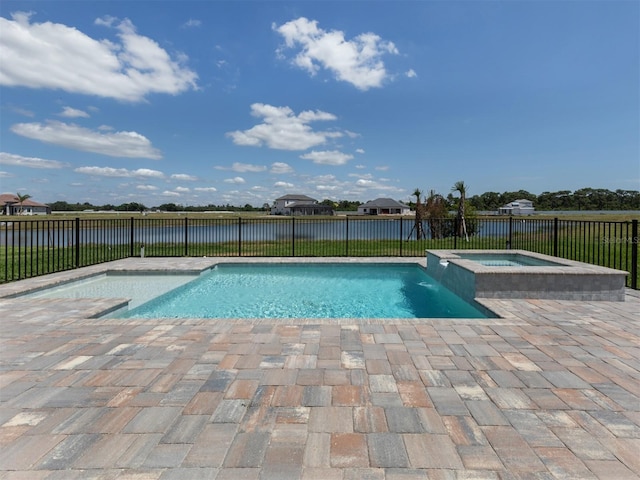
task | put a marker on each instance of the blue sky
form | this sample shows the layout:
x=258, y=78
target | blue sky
x=236, y=102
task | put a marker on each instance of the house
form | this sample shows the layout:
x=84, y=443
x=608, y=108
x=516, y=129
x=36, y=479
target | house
x=299, y=205
x=517, y=207
x=383, y=206
x=10, y=205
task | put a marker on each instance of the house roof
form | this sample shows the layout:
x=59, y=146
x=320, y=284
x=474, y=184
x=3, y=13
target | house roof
x=10, y=198
x=384, y=203
x=297, y=197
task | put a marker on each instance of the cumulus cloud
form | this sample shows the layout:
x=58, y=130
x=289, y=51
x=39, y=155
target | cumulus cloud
x=183, y=177
x=206, y=189
x=69, y=112
x=119, y=172
x=56, y=56
x=168, y=193
x=359, y=150
x=243, y=167
x=330, y=157
x=235, y=180
x=357, y=61
x=281, y=167
x=147, y=188
x=29, y=162
x=282, y=129
x=283, y=185
x=411, y=73
x=118, y=144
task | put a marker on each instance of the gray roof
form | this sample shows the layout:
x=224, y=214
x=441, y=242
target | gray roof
x=384, y=203
x=297, y=197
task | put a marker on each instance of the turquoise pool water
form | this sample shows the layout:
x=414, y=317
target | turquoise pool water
x=139, y=288
x=309, y=291
x=507, y=260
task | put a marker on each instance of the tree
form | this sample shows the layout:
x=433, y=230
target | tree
x=21, y=200
x=417, y=226
x=461, y=189
x=437, y=212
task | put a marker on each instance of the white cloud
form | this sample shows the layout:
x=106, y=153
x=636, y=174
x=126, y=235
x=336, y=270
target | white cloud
x=119, y=172
x=191, y=23
x=168, y=193
x=357, y=61
x=183, y=177
x=56, y=56
x=69, y=112
x=283, y=130
x=411, y=73
x=283, y=185
x=382, y=168
x=29, y=162
x=119, y=144
x=280, y=168
x=235, y=180
x=182, y=189
x=148, y=188
x=359, y=150
x=206, y=189
x=331, y=157
x=243, y=167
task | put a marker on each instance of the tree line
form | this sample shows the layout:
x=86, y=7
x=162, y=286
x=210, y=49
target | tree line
x=582, y=199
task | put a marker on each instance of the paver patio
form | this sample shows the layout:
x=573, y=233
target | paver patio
x=551, y=390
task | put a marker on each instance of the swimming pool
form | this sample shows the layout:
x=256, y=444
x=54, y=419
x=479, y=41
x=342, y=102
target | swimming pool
x=300, y=290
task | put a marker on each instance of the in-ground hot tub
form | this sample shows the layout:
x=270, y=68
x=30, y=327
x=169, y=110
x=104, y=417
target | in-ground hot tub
x=521, y=274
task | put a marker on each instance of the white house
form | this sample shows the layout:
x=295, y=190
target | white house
x=10, y=205
x=299, y=205
x=517, y=207
x=383, y=206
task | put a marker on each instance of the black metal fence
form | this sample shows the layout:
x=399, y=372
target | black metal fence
x=36, y=247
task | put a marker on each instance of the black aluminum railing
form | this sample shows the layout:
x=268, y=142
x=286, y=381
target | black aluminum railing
x=32, y=247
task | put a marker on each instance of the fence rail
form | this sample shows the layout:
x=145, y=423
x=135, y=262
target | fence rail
x=30, y=248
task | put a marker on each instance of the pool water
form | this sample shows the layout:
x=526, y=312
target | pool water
x=507, y=260
x=309, y=291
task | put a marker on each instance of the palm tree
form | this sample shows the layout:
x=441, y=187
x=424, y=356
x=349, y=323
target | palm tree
x=417, y=226
x=21, y=199
x=461, y=188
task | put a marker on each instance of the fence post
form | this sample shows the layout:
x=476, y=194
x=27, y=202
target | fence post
x=131, y=228
x=510, y=236
x=239, y=236
x=401, y=237
x=186, y=236
x=555, y=237
x=455, y=233
x=293, y=236
x=346, y=233
x=634, y=254
x=77, y=240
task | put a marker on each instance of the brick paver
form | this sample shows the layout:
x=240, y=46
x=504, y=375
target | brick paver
x=551, y=390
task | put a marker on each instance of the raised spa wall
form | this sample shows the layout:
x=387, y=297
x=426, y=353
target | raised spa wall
x=566, y=280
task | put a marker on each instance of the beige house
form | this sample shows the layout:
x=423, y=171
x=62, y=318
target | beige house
x=299, y=205
x=10, y=205
x=383, y=206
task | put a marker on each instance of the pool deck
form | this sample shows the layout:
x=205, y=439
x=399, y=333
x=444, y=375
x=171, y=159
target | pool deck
x=551, y=390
